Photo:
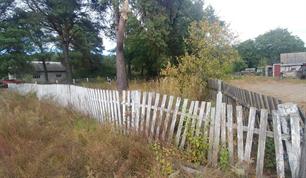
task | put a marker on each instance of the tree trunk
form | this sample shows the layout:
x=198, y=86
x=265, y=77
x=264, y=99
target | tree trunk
x=45, y=70
x=67, y=63
x=42, y=58
x=122, y=83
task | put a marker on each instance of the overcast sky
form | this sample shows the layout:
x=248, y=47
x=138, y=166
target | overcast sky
x=250, y=18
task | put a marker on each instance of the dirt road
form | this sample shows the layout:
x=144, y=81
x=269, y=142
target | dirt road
x=286, y=90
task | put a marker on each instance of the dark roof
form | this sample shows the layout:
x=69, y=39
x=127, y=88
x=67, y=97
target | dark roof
x=51, y=66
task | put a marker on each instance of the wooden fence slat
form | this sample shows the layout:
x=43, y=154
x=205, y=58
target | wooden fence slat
x=133, y=111
x=143, y=111
x=240, y=149
x=100, y=106
x=108, y=106
x=129, y=112
x=94, y=109
x=124, y=123
x=104, y=106
x=249, y=138
x=267, y=103
x=174, y=118
x=180, y=126
x=217, y=129
x=262, y=102
x=118, y=109
x=157, y=96
x=295, y=140
x=223, y=124
x=284, y=126
x=279, y=152
x=194, y=117
x=230, y=133
x=137, y=108
x=98, y=103
x=211, y=132
x=148, y=115
x=91, y=102
x=94, y=105
x=187, y=120
x=112, y=105
x=166, y=121
x=113, y=93
x=250, y=98
x=206, y=119
x=293, y=148
x=261, y=143
x=201, y=118
x=160, y=119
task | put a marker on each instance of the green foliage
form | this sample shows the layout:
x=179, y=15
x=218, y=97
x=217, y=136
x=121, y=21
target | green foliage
x=269, y=46
x=248, y=53
x=270, y=161
x=197, y=148
x=224, y=158
x=161, y=155
x=145, y=45
x=13, y=44
x=239, y=65
x=210, y=56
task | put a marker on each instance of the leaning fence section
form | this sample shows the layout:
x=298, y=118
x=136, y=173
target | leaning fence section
x=243, y=97
x=173, y=120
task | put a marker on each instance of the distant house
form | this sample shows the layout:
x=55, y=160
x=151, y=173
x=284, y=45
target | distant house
x=56, y=72
x=289, y=64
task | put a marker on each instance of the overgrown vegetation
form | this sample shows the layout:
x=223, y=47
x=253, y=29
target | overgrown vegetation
x=38, y=139
x=41, y=140
x=210, y=56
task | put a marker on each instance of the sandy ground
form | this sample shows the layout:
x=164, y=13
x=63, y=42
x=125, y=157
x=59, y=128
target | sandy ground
x=286, y=90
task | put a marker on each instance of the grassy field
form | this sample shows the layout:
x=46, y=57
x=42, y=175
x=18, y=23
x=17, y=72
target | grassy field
x=39, y=139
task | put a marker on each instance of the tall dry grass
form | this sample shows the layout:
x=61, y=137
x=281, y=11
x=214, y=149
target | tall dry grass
x=38, y=139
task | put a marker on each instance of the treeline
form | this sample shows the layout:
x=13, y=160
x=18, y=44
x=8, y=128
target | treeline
x=183, y=39
x=265, y=49
x=70, y=31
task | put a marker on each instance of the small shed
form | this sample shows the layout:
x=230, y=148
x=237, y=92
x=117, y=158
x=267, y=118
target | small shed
x=289, y=64
x=56, y=72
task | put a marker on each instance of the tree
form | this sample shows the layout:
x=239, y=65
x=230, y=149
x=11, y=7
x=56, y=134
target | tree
x=86, y=50
x=249, y=53
x=13, y=41
x=271, y=44
x=60, y=17
x=121, y=18
x=146, y=39
x=210, y=56
x=37, y=37
x=266, y=48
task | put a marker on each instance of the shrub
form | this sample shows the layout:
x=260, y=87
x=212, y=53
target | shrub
x=210, y=55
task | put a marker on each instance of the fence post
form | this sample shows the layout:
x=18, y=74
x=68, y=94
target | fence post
x=291, y=126
x=217, y=128
x=302, y=172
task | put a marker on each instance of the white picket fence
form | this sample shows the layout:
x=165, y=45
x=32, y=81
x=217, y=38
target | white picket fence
x=169, y=119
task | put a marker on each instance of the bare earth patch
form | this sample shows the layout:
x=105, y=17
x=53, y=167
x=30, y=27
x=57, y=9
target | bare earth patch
x=286, y=90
